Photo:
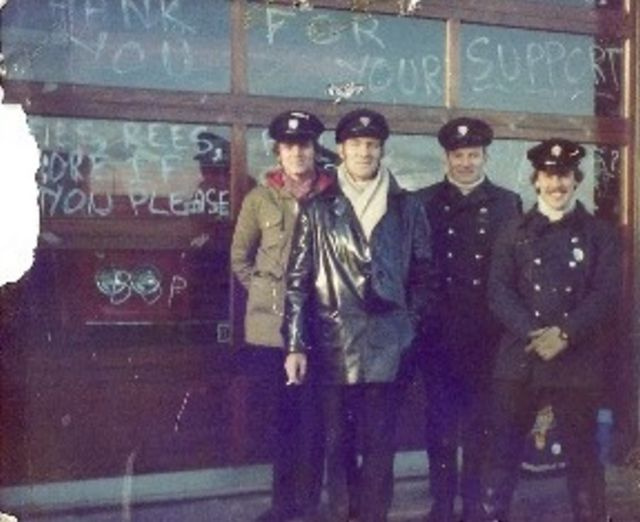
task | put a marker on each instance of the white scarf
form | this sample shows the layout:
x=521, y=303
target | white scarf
x=466, y=188
x=368, y=198
x=551, y=213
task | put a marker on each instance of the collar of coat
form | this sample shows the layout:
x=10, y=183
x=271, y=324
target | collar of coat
x=535, y=223
x=394, y=188
x=323, y=180
x=482, y=192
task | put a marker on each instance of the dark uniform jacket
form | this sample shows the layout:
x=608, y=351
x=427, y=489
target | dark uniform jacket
x=356, y=303
x=565, y=274
x=464, y=229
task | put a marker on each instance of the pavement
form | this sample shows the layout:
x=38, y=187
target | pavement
x=537, y=500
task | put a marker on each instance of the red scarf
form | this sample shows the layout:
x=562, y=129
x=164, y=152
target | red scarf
x=299, y=189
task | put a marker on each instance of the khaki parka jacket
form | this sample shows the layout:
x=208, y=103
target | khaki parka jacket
x=260, y=250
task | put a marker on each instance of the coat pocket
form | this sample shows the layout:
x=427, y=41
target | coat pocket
x=393, y=331
x=266, y=295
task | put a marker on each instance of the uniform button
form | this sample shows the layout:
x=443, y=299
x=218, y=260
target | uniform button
x=572, y=264
x=537, y=287
x=446, y=208
x=449, y=255
x=565, y=314
x=568, y=289
x=484, y=210
x=482, y=231
x=449, y=279
x=476, y=282
x=575, y=239
x=537, y=261
x=451, y=231
x=536, y=313
x=478, y=256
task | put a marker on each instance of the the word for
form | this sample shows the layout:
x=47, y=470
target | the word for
x=378, y=65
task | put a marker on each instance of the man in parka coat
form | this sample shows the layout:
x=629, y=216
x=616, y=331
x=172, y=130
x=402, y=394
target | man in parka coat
x=466, y=211
x=359, y=281
x=554, y=281
x=259, y=255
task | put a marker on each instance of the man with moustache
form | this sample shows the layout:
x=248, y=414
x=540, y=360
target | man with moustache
x=259, y=255
x=555, y=276
x=359, y=281
x=465, y=211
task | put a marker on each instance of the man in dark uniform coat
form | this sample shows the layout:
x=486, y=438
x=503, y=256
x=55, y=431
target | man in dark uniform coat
x=465, y=211
x=554, y=281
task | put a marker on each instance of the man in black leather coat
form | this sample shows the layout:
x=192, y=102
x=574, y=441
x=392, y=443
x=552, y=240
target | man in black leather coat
x=359, y=281
x=554, y=281
x=465, y=211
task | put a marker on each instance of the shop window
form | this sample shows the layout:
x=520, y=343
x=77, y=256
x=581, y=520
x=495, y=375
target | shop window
x=417, y=161
x=116, y=169
x=345, y=55
x=537, y=71
x=161, y=45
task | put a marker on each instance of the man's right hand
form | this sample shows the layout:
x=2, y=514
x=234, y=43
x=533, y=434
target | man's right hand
x=295, y=365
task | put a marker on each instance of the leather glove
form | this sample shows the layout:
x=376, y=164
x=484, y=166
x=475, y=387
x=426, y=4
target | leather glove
x=548, y=343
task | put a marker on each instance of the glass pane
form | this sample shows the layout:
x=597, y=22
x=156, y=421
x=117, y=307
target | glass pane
x=163, y=45
x=109, y=168
x=607, y=168
x=418, y=161
x=540, y=72
x=317, y=53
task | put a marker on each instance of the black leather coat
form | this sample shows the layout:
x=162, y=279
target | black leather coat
x=355, y=303
x=464, y=230
x=566, y=273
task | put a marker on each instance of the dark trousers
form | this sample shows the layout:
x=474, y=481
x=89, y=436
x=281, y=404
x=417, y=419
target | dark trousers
x=360, y=419
x=293, y=429
x=514, y=411
x=457, y=415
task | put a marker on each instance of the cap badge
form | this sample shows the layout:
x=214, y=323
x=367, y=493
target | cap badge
x=365, y=121
x=556, y=150
x=463, y=130
x=299, y=114
x=293, y=123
